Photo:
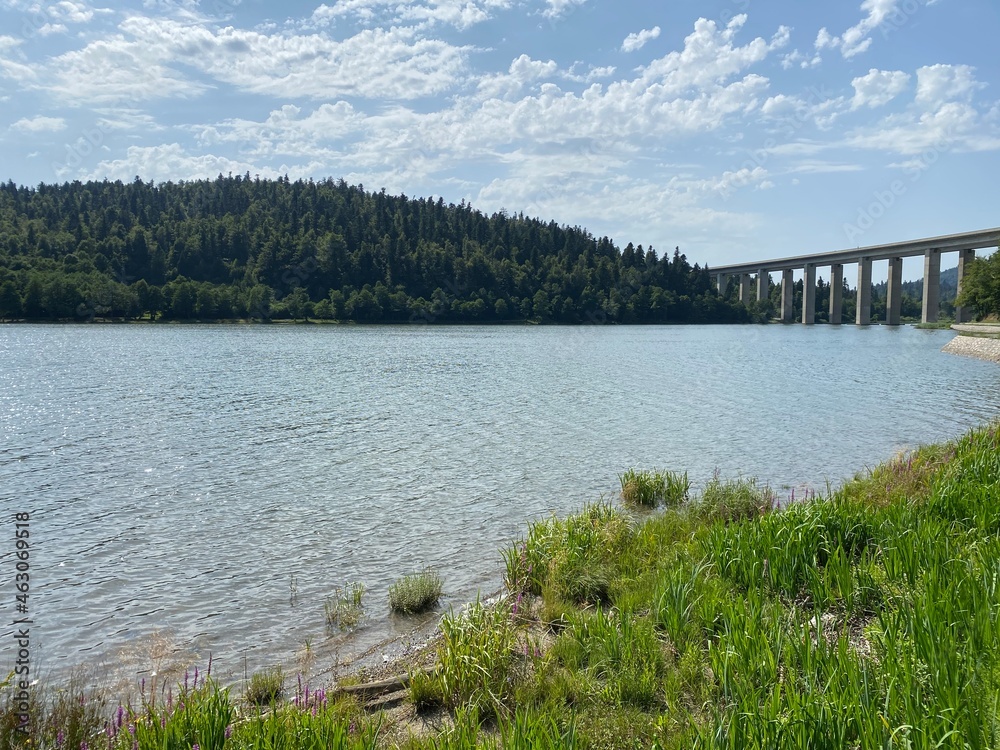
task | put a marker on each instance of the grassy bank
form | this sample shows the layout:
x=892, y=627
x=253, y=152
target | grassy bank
x=867, y=619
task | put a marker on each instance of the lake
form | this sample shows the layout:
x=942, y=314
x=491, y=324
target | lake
x=199, y=490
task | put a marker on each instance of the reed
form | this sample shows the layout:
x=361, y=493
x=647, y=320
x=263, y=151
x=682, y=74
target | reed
x=652, y=488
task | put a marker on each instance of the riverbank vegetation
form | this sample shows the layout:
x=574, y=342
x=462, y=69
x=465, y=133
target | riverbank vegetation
x=981, y=286
x=245, y=248
x=869, y=618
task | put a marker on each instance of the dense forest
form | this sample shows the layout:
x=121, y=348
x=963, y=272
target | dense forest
x=242, y=248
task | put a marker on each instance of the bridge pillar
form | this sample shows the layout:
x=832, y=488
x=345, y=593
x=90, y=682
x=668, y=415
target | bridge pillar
x=963, y=314
x=932, y=287
x=746, y=287
x=836, y=293
x=763, y=285
x=863, y=316
x=809, y=294
x=787, y=295
x=723, y=281
x=894, y=295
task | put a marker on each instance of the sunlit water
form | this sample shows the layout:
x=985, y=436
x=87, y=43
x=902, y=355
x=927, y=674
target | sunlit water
x=185, y=481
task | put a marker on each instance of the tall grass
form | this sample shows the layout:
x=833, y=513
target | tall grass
x=651, y=488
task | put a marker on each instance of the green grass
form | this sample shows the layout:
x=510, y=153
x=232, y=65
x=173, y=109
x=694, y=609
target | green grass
x=651, y=488
x=266, y=687
x=416, y=593
x=868, y=618
x=344, y=610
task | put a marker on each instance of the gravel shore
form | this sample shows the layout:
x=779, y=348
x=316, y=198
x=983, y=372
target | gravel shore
x=974, y=346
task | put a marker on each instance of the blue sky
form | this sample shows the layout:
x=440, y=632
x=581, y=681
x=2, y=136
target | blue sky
x=736, y=129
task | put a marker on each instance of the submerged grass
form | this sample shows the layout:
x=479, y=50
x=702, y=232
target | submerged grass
x=869, y=618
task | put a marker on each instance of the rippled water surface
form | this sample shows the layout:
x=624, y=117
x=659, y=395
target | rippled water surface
x=183, y=480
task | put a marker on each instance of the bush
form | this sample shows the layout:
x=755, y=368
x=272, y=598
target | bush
x=415, y=593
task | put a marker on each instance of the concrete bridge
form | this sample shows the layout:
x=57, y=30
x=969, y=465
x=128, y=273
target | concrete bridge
x=931, y=249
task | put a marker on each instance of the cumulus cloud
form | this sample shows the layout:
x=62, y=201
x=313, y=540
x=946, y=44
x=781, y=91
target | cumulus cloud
x=522, y=71
x=638, y=40
x=937, y=84
x=558, y=8
x=144, y=62
x=40, y=124
x=857, y=39
x=878, y=87
x=461, y=14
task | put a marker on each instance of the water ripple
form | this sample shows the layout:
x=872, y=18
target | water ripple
x=180, y=477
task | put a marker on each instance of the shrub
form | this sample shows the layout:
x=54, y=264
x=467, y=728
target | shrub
x=416, y=593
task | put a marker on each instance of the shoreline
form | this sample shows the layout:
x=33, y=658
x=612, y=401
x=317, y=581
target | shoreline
x=976, y=347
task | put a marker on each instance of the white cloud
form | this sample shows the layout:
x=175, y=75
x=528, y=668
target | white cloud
x=461, y=14
x=172, y=162
x=878, y=87
x=40, y=124
x=637, y=40
x=144, y=61
x=522, y=71
x=857, y=39
x=937, y=84
x=558, y=8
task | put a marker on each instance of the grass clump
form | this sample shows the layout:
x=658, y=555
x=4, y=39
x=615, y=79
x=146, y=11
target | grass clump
x=344, y=609
x=266, y=686
x=650, y=488
x=476, y=662
x=416, y=593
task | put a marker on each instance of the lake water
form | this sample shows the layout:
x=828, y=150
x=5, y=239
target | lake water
x=199, y=490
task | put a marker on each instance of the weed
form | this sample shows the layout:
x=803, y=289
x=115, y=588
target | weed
x=344, y=609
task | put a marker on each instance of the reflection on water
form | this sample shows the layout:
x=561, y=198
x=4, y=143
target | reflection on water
x=203, y=489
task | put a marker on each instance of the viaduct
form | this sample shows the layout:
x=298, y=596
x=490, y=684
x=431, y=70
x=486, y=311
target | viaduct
x=964, y=244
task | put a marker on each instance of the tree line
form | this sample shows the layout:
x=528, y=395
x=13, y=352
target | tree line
x=244, y=248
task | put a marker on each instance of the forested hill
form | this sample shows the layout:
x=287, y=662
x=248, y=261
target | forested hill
x=237, y=247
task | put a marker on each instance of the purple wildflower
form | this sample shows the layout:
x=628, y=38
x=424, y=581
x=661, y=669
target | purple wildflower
x=229, y=731
x=185, y=680
x=60, y=739
x=119, y=716
x=209, y=665
x=195, y=686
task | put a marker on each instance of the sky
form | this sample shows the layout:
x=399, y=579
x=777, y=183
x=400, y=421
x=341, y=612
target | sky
x=738, y=130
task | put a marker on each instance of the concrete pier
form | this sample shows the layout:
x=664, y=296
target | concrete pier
x=863, y=316
x=763, y=285
x=787, y=295
x=932, y=287
x=809, y=295
x=962, y=314
x=746, y=288
x=836, y=293
x=723, y=281
x=894, y=298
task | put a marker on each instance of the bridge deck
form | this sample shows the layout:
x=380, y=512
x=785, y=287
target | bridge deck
x=945, y=243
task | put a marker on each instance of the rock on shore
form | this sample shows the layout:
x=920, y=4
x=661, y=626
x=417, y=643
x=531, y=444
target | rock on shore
x=974, y=346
